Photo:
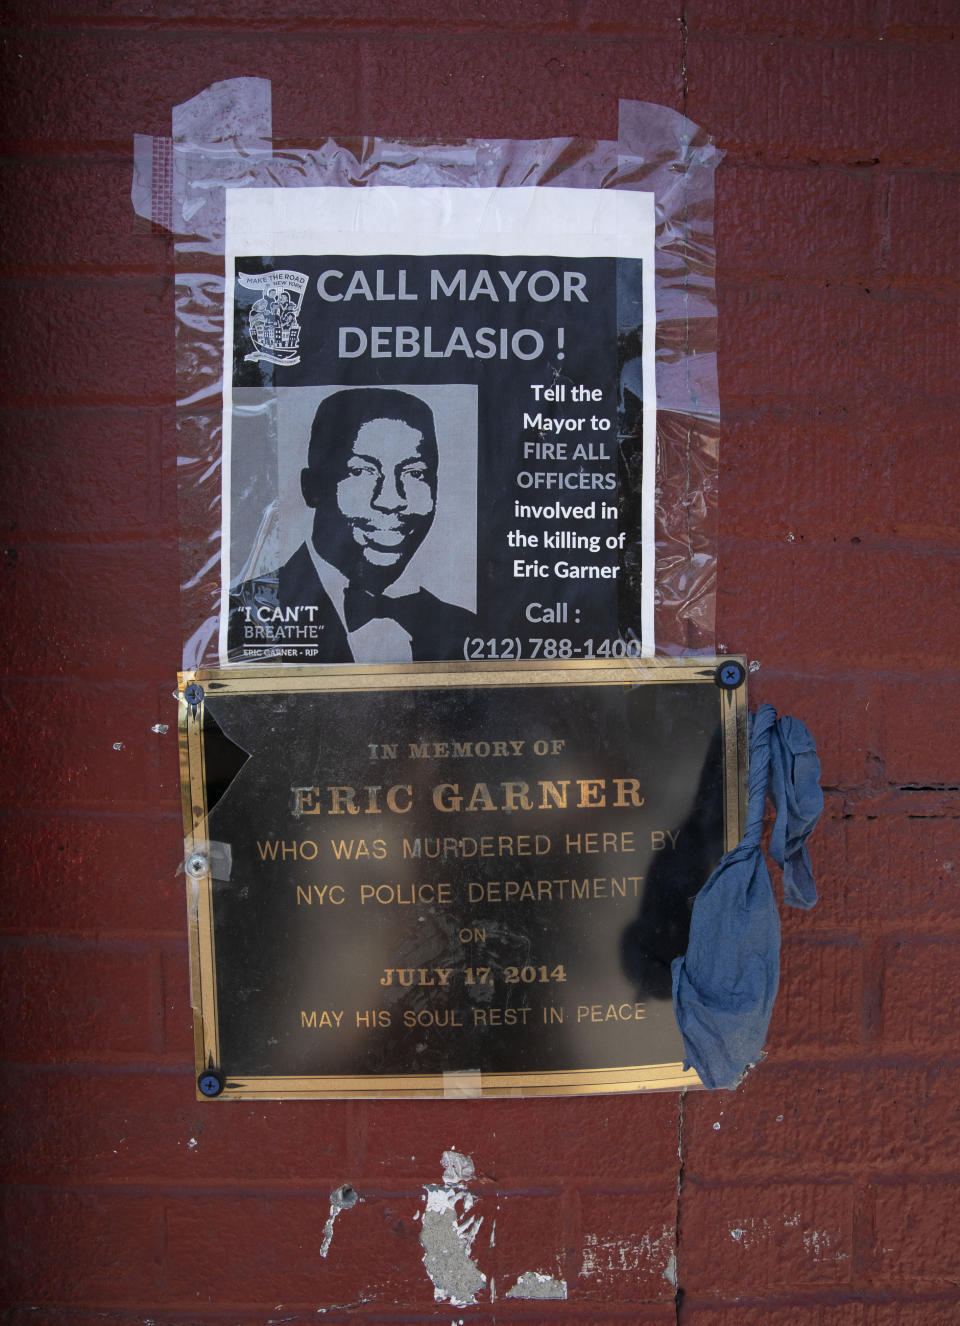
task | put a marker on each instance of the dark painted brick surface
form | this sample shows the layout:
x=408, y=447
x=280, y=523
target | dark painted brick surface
x=918, y=976
x=108, y=582
x=95, y=1130
x=69, y=215
x=872, y=468
x=266, y=1250
x=84, y=1249
x=638, y=1135
x=780, y=1236
x=82, y=1003
x=542, y=85
x=804, y=100
x=911, y=1248
x=621, y=1245
x=90, y=875
x=826, y=1193
x=82, y=473
x=819, y=224
x=77, y=356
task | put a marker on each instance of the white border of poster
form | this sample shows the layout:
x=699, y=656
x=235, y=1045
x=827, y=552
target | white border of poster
x=390, y=220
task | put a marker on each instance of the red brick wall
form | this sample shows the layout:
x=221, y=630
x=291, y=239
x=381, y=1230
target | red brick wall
x=823, y=1190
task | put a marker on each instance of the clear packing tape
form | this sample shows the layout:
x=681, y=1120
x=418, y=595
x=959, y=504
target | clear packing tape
x=222, y=140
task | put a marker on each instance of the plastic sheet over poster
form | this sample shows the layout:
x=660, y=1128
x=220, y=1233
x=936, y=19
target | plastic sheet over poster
x=653, y=591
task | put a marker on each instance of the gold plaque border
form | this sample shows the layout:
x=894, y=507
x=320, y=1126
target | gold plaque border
x=422, y=676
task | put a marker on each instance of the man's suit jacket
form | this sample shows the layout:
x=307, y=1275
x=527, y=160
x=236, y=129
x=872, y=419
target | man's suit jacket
x=437, y=629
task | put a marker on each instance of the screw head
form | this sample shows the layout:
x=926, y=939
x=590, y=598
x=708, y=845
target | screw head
x=197, y=865
x=730, y=675
x=210, y=1083
x=193, y=693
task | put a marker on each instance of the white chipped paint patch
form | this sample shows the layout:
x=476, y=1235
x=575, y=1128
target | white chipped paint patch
x=611, y=1256
x=341, y=1198
x=458, y=1169
x=532, y=1284
x=447, y=1236
x=751, y=1233
x=818, y=1243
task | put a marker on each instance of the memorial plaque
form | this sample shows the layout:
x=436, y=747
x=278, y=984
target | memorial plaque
x=431, y=880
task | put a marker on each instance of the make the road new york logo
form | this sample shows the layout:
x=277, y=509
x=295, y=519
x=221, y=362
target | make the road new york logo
x=274, y=319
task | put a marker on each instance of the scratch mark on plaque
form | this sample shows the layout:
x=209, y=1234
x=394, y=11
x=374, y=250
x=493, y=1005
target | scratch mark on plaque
x=447, y=1236
x=341, y=1199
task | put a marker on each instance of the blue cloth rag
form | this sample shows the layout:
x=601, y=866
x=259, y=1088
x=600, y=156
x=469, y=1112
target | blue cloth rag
x=725, y=984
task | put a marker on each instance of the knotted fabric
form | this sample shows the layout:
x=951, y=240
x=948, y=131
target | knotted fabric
x=725, y=984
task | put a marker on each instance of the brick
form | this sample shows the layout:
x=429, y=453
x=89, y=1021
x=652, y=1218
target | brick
x=771, y=1237
x=781, y=1123
x=883, y=869
x=805, y=223
x=635, y=1315
x=910, y=1116
x=513, y=1143
x=833, y=585
x=86, y=1249
x=81, y=356
x=93, y=876
x=91, y=596
x=83, y=1003
x=61, y=743
x=627, y=1242
x=265, y=1250
x=86, y=472
x=812, y=101
x=197, y=444
x=75, y=1128
x=818, y=1003
x=918, y=20
x=837, y=712
x=626, y=19
x=924, y=221
x=845, y=347
x=365, y=16
x=149, y=76
x=912, y=1246
x=519, y=90
x=927, y=1311
x=809, y=1312
x=917, y=1009
x=523, y=1234
x=79, y=1317
x=742, y=19
x=918, y=734
x=787, y=1122
x=829, y=476
x=178, y=1032
x=69, y=216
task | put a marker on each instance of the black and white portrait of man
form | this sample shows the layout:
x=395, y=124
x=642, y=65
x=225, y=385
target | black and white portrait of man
x=372, y=489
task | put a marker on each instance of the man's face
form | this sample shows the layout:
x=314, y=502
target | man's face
x=385, y=503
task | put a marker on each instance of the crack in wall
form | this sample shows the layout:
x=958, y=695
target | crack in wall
x=677, y=1285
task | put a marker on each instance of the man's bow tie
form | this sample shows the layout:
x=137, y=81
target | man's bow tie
x=360, y=607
